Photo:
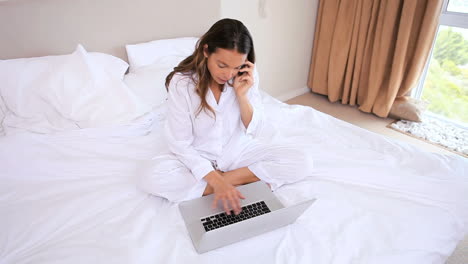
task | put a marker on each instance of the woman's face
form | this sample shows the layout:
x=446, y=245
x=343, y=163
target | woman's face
x=224, y=64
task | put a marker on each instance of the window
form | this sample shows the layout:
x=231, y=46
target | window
x=456, y=6
x=444, y=83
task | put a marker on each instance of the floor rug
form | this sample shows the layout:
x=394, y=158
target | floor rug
x=435, y=131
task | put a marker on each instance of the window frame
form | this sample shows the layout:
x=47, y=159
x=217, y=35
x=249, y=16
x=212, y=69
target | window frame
x=447, y=18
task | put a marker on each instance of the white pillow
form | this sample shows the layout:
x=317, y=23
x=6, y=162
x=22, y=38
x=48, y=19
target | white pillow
x=20, y=83
x=148, y=53
x=111, y=64
x=55, y=93
x=148, y=82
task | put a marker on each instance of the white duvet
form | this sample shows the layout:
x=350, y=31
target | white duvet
x=71, y=197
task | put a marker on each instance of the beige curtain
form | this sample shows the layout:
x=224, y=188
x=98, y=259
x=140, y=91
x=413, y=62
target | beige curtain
x=371, y=52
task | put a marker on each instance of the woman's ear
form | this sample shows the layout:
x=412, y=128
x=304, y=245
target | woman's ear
x=205, y=50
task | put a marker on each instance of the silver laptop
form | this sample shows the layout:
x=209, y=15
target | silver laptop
x=261, y=212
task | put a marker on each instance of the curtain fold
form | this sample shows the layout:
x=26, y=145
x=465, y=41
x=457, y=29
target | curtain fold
x=371, y=52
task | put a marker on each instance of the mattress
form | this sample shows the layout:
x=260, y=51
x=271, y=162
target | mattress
x=71, y=197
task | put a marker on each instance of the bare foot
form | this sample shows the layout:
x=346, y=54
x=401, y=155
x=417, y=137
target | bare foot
x=240, y=176
x=235, y=177
x=208, y=190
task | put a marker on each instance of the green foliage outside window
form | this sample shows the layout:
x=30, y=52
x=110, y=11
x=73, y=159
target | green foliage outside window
x=451, y=46
x=446, y=85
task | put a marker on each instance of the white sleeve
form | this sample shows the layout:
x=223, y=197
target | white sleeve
x=179, y=130
x=255, y=100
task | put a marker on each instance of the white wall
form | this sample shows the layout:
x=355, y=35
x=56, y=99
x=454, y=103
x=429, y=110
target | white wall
x=46, y=27
x=283, y=41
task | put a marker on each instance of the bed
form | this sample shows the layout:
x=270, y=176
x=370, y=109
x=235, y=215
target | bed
x=70, y=165
x=69, y=195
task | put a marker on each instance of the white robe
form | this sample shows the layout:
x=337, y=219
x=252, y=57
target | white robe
x=198, y=143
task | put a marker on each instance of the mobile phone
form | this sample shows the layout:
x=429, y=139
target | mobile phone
x=242, y=67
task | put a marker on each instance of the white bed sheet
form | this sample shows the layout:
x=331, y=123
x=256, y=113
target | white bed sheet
x=71, y=197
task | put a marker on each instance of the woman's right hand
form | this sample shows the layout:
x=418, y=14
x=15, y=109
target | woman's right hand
x=224, y=192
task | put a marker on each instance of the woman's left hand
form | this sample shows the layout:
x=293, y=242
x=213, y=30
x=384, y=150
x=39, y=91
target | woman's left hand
x=244, y=82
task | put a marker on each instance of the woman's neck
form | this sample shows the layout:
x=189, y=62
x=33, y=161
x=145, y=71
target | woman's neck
x=217, y=86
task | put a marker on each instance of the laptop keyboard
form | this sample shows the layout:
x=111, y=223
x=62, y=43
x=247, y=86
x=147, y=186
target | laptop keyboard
x=222, y=219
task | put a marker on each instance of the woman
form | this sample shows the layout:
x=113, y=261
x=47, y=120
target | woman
x=214, y=120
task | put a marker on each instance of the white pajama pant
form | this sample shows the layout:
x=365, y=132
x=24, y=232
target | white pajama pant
x=166, y=176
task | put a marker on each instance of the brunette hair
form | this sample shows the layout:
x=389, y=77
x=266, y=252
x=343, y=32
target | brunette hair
x=228, y=34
